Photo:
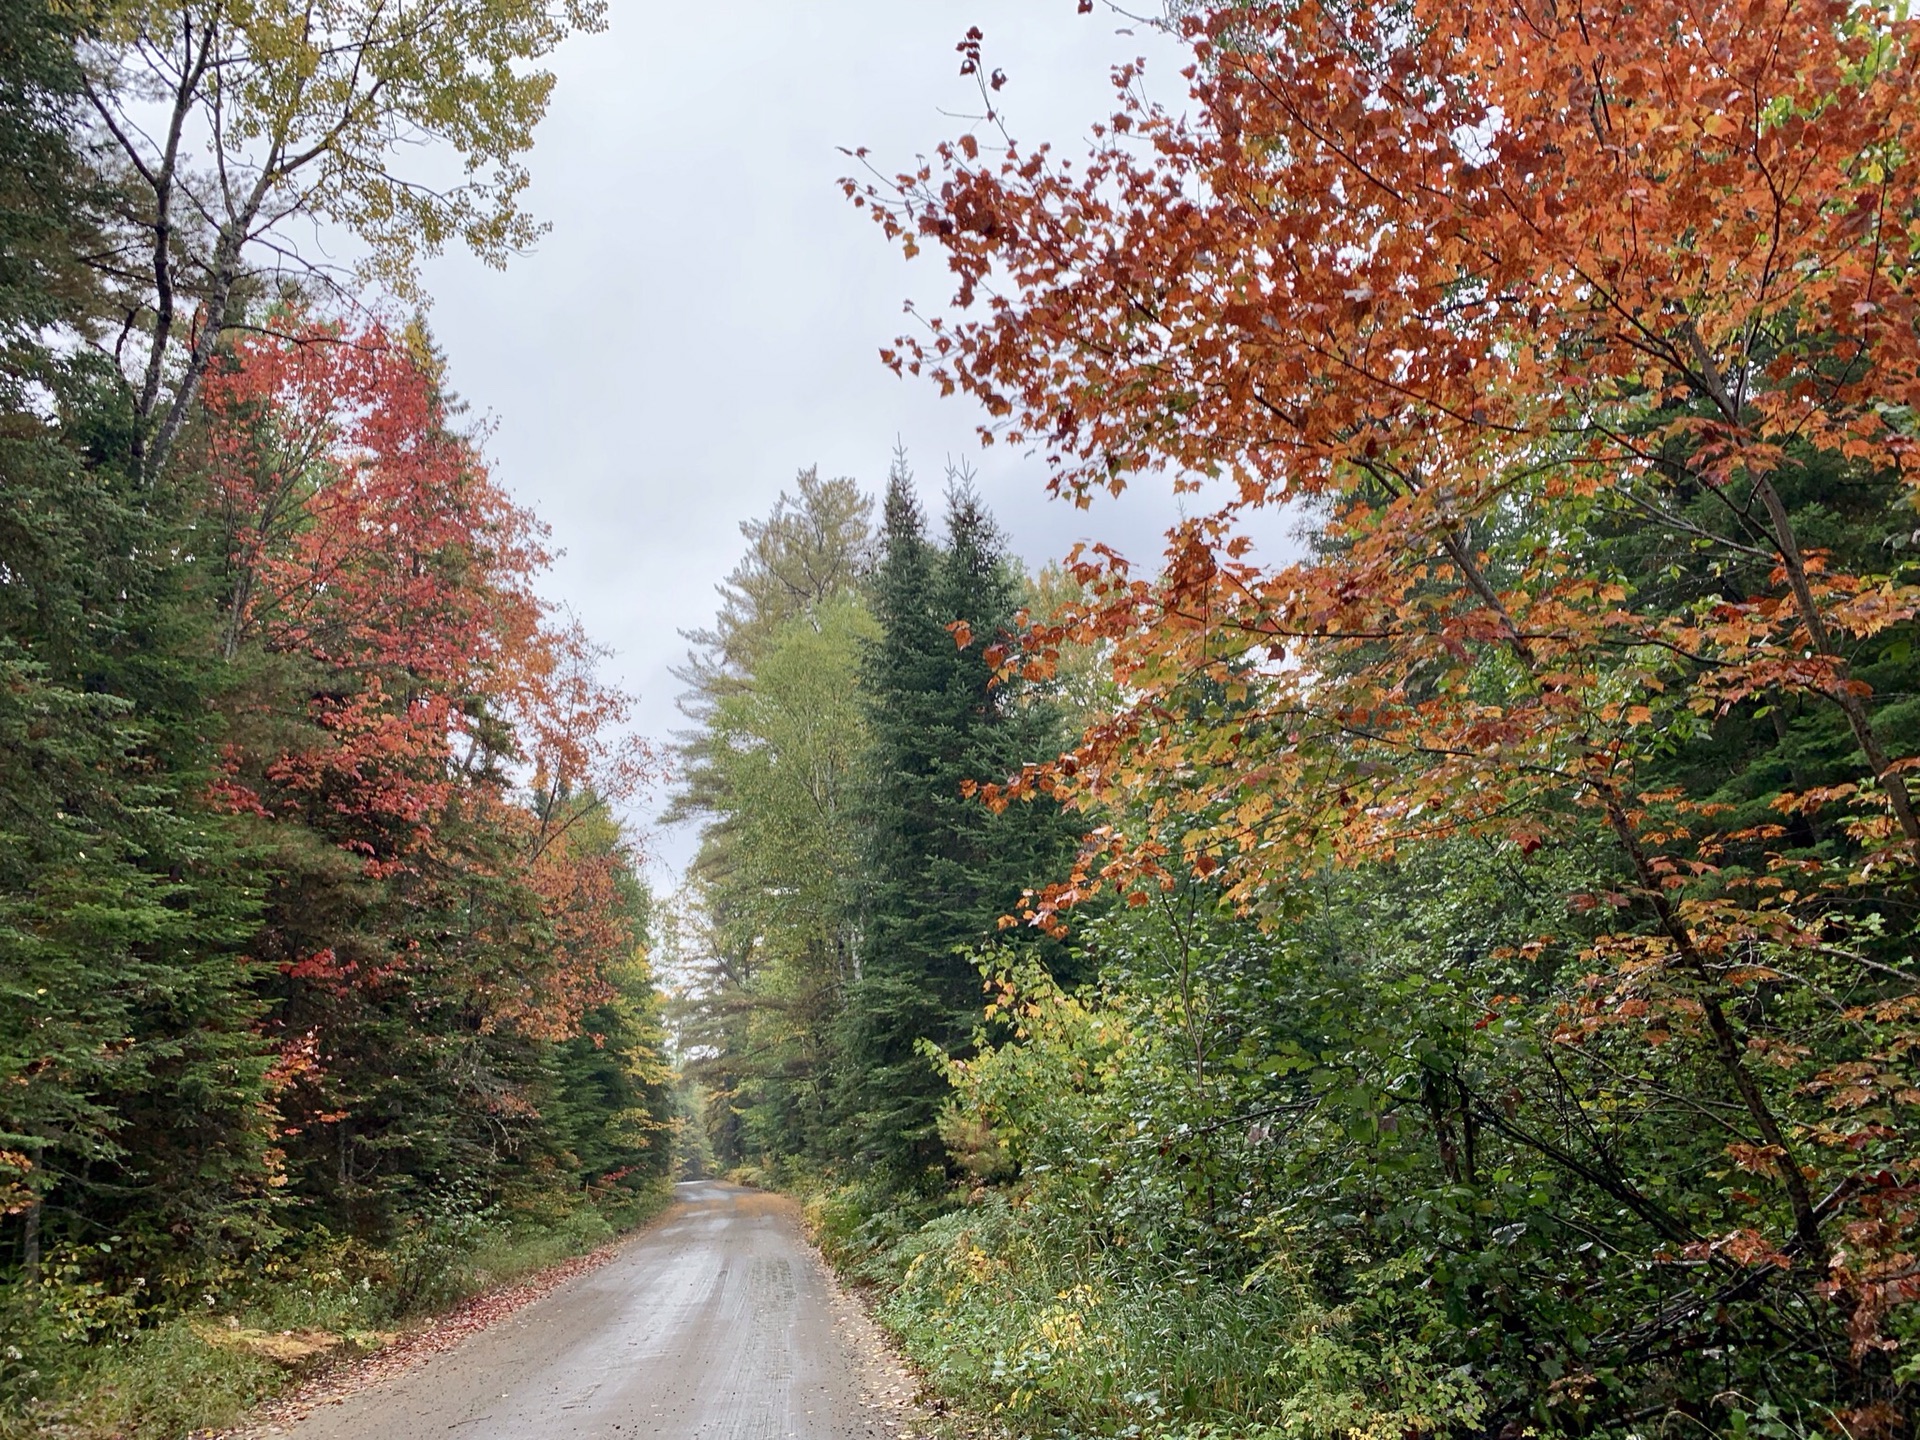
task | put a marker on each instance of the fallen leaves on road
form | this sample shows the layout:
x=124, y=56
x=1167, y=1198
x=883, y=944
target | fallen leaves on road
x=412, y=1346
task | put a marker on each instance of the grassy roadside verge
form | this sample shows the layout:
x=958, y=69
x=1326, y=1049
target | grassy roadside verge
x=1022, y=1324
x=859, y=1230
x=267, y=1331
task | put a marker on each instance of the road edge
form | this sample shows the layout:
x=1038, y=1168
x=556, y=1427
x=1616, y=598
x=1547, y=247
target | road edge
x=422, y=1339
x=936, y=1414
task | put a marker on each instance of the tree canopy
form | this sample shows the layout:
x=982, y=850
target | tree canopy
x=1582, y=338
x=323, y=950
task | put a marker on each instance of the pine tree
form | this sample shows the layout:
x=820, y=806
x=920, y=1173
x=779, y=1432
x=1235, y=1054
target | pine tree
x=131, y=1082
x=771, y=772
x=941, y=869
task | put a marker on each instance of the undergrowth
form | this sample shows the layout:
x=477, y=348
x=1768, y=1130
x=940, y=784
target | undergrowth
x=1025, y=1321
x=79, y=1364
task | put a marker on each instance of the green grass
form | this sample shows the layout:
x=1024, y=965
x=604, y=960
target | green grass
x=165, y=1379
x=163, y=1383
x=1028, y=1327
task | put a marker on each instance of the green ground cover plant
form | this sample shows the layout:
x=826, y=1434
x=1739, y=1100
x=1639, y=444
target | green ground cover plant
x=83, y=1367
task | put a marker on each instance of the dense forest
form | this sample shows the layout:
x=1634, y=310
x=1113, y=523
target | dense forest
x=1455, y=974
x=323, y=955
x=1450, y=973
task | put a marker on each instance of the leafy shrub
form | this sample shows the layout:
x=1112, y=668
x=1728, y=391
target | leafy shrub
x=1009, y=1302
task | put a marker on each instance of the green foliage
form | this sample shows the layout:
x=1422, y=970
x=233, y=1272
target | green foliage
x=846, y=879
x=46, y=197
x=1064, y=1336
x=307, y=112
x=611, y=1112
x=787, y=748
x=775, y=774
x=314, y=100
x=940, y=868
x=1350, y=1144
x=184, y=1375
x=153, y=1385
x=131, y=1077
x=197, y=1111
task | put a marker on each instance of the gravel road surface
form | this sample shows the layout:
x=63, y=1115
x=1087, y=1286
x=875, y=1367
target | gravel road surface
x=717, y=1323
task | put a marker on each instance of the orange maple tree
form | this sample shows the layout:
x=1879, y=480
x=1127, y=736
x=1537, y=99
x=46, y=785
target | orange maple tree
x=1491, y=292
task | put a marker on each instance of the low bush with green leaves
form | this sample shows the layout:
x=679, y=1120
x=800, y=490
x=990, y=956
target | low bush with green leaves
x=1306, y=1180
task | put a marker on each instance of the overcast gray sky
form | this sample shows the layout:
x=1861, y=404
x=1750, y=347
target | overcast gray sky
x=704, y=317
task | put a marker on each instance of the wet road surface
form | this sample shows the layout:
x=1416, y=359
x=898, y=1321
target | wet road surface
x=718, y=1323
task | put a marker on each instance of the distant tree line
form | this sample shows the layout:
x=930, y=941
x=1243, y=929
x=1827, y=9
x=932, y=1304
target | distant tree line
x=845, y=884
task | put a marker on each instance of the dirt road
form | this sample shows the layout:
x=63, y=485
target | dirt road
x=718, y=1323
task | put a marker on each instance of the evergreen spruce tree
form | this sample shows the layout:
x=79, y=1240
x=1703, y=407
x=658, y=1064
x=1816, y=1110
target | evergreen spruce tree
x=941, y=869
x=609, y=1100
x=131, y=1081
